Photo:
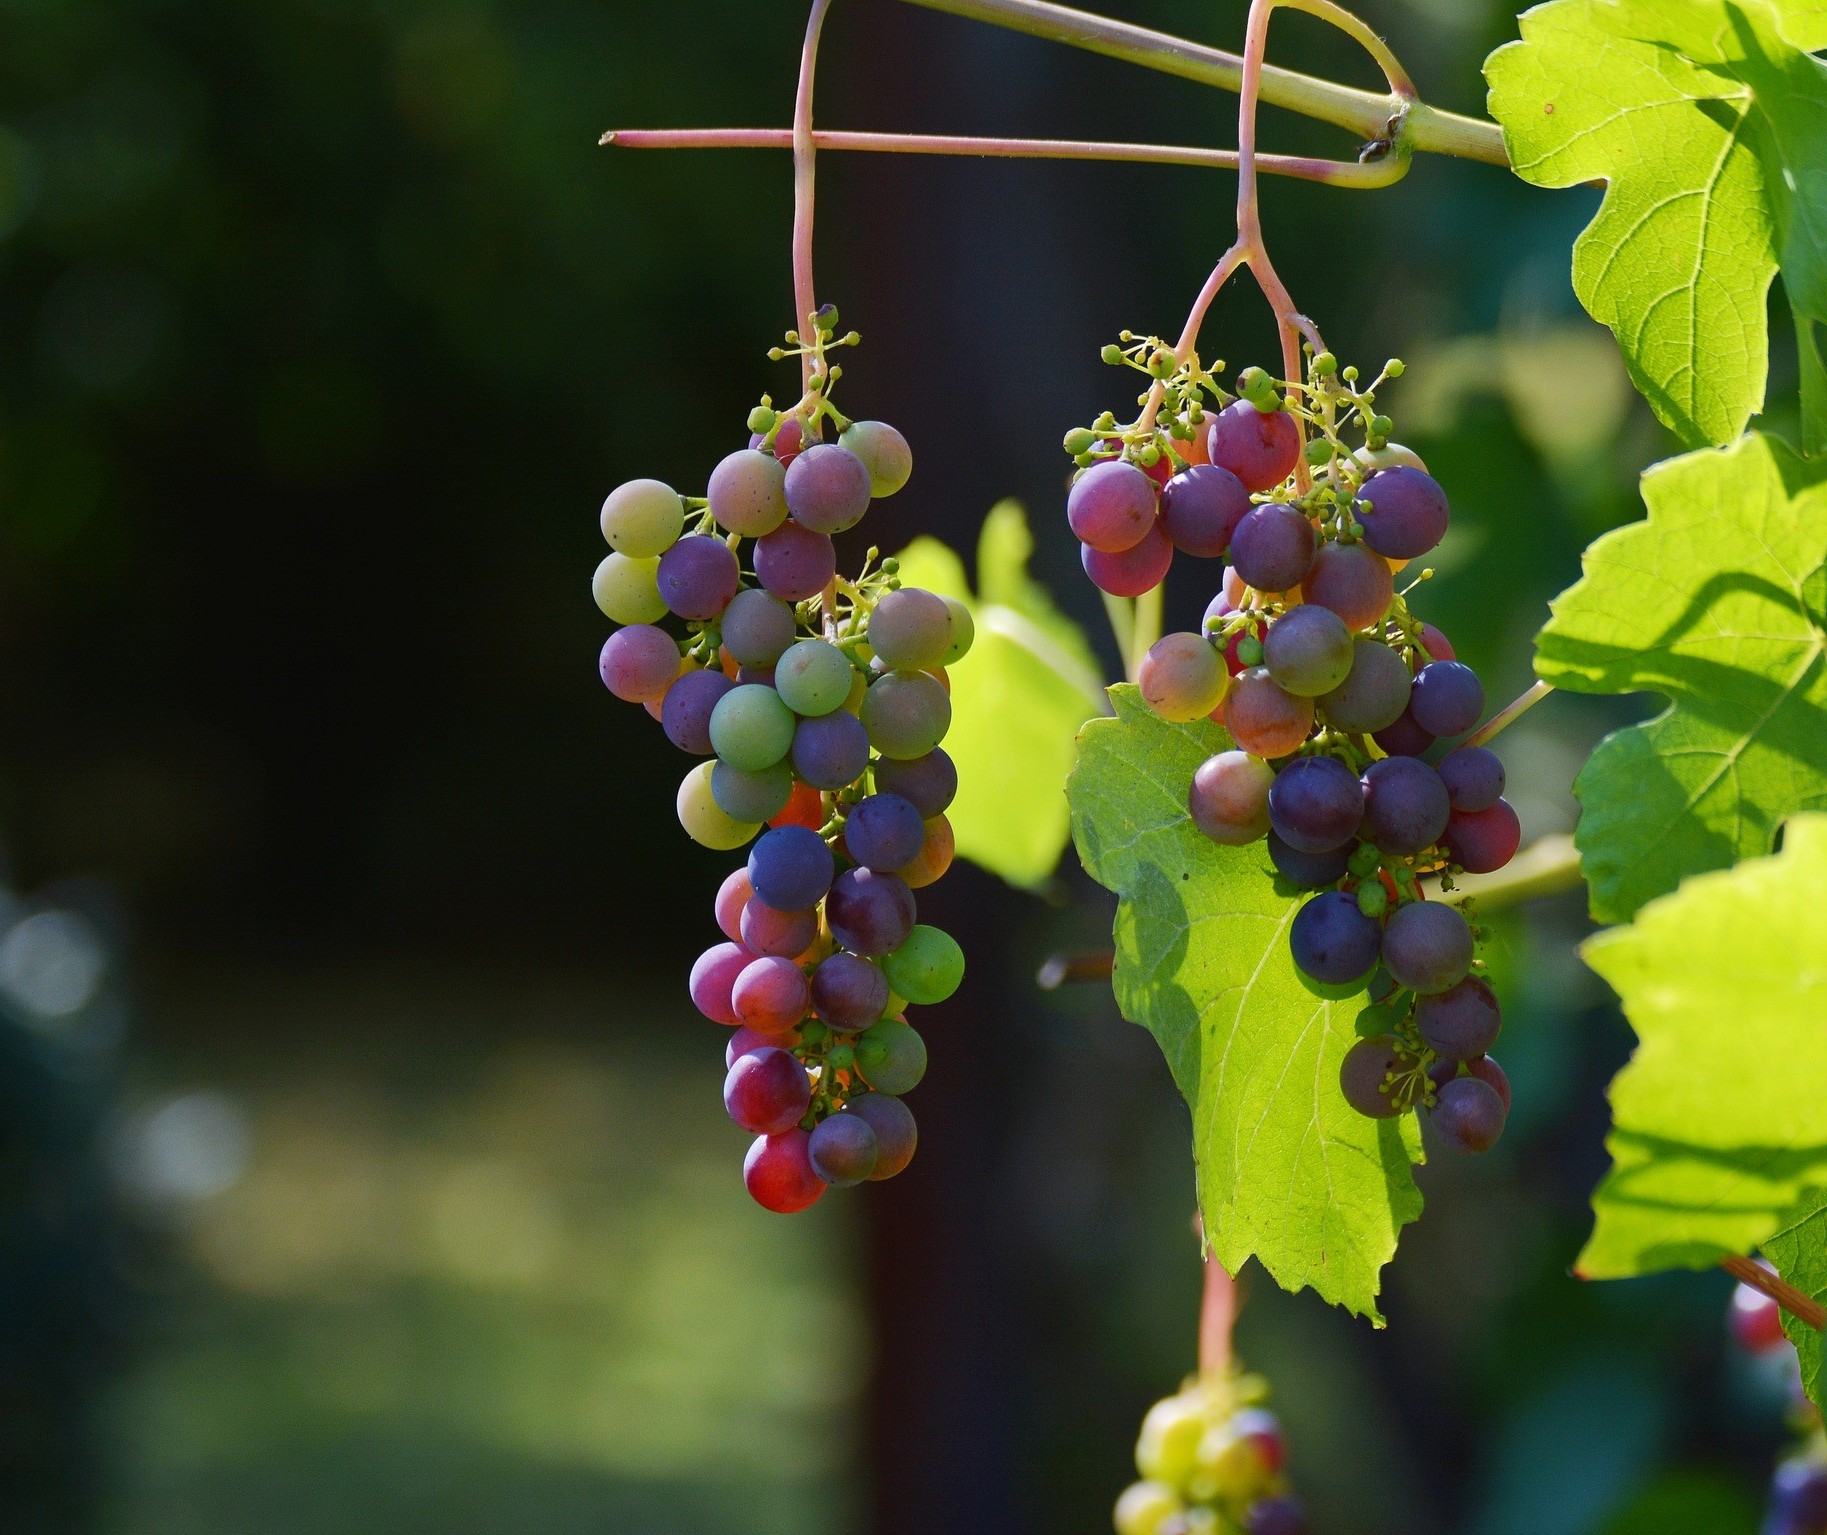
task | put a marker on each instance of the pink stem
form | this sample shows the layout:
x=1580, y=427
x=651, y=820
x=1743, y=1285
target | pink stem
x=805, y=298
x=1217, y=1315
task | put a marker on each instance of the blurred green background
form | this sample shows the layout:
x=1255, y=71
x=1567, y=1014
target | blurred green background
x=362, y=1167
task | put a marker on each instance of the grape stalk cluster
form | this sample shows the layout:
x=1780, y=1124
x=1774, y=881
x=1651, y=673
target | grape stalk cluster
x=1798, y=1490
x=1344, y=707
x=1213, y=1462
x=818, y=704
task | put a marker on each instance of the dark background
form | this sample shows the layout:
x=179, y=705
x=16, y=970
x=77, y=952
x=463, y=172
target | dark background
x=378, y=1181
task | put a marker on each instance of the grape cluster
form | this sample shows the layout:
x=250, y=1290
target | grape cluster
x=1212, y=1460
x=819, y=704
x=1798, y=1491
x=1342, y=705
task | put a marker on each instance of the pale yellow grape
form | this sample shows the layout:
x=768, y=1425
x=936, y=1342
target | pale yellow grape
x=964, y=632
x=643, y=518
x=1231, y=1465
x=1144, y=1508
x=704, y=819
x=884, y=453
x=626, y=589
x=1182, y=677
x=1168, y=1447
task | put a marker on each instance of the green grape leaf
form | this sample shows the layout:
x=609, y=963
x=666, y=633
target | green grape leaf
x=1018, y=700
x=1288, y=1172
x=1719, y=1121
x=1799, y=1251
x=1717, y=601
x=1707, y=120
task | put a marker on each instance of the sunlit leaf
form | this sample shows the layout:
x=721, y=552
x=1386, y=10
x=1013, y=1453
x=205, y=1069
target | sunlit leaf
x=1799, y=1251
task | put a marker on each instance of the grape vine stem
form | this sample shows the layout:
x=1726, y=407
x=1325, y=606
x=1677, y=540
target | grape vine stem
x=1778, y=1289
x=1217, y=1317
x=1509, y=714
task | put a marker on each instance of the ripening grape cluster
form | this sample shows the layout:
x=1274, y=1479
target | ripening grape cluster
x=1343, y=706
x=1798, y=1491
x=1213, y=1462
x=818, y=705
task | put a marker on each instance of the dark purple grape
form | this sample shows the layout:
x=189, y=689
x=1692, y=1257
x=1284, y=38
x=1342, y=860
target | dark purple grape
x=794, y=563
x=895, y=1132
x=1332, y=940
x=1310, y=871
x=1448, y=698
x=1272, y=548
x=1405, y=805
x=831, y=751
x=849, y=992
x=1404, y=738
x=1111, y=506
x=1427, y=947
x=1133, y=571
x=927, y=783
x=1462, y=1021
x=757, y=628
x=884, y=832
x=790, y=868
x=843, y=1149
x=827, y=488
x=1487, y=1070
x=1260, y=447
x=685, y=712
x=1353, y=582
x=1200, y=510
x=767, y=1091
x=869, y=913
x=781, y=934
x=1473, y=776
x=1275, y=1516
x=698, y=576
x=1366, y=1067
x=1406, y=515
x=1483, y=841
x=1316, y=804
x=1468, y=1115
x=1373, y=697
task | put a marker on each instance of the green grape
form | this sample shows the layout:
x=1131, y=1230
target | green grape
x=813, y=677
x=704, y=820
x=927, y=967
x=906, y=714
x=643, y=518
x=1144, y=1508
x=964, y=632
x=891, y=1057
x=1168, y=1448
x=756, y=797
x=884, y=453
x=911, y=629
x=626, y=588
x=751, y=728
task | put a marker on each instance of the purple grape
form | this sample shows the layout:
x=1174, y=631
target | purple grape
x=869, y=913
x=1468, y=1115
x=1366, y=1067
x=827, y=488
x=1353, y=582
x=1407, y=512
x=1310, y=871
x=843, y=1150
x=757, y=628
x=745, y=493
x=1373, y=697
x=639, y=663
x=767, y=1091
x=1316, y=804
x=1275, y=1516
x=849, y=992
x=1427, y=947
x=790, y=868
x=895, y=1132
x=1405, y=805
x=794, y=563
x=927, y=783
x=1260, y=447
x=1111, y=506
x=831, y=751
x=1133, y=571
x=1404, y=738
x=906, y=713
x=780, y=934
x=1473, y=776
x=685, y=713
x=1448, y=698
x=910, y=629
x=1200, y=510
x=1481, y=1067
x=1461, y=1022
x=698, y=577
x=1273, y=547
x=884, y=832
x=1332, y=940
x=1483, y=841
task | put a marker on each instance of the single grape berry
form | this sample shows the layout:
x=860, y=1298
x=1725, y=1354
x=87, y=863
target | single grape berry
x=805, y=807
x=928, y=783
x=767, y=1091
x=896, y=1135
x=849, y=992
x=1468, y=1115
x=1310, y=871
x=713, y=978
x=1229, y=798
x=1473, y=776
x=1260, y=447
x=705, y=821
x=1402, y=511
x=639, y=663
x=698, y=577
x=1308, y=651
x=1461, y=1022
x=937, y=849
x=843, y=1150
x=1262, y=718
x=1316, y=804
x=891, y=1057
x=1483, y=841
x=1405, y=805
x=1132, y=572
x=1404, y=738
x=626, y=589
x=1427, y=947
x=1273, y=547
x=1436, y=644
x=883, y=832
x=778, y=1172
x=757, y=628
x=906, y=714
x=884, y=453
x=746, y=1042
x=827, y=488
x=1373, y=697
x=751, y=728
x=1181, y=678
x=1332, y=940
x=794, y=563
x=831, y=751
x=685, y=712
x=771, y=995
x=732, y=895
x=1448, y=698
x=790, y=439
x=964, y=632
x=1352, y=582
x=1365, y=1071
x=1481, y=1067
x=746, y=796
x=765, y=929
x=790, y=868
x=926, y=967
x=1111, y=506
x=869, y=913
x=747, y=493
x=813, y=677
x=643, y=518
x=1200, y=509
x=910, y=629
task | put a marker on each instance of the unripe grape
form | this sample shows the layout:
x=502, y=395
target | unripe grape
x=625, y=588
x=1436, y=644
x=884, y=453
x=1111, y=506
x=891, y=1058
x=747, y=493
x=926, y=967
x=1461, y=1022
x=895, y=1132
x=1259, y=447
x=1273, y=547
x=794, y=563
x=1145, y=1509
x=1229, y=798
x=843, y=1150
x=1262, y=718
x=906, y=714
x=1468, y=1115
x=1352, y=581
x=1483, y=841
x=1406, y=514
x=1200, y=509
x=767, y=1091
x=1392, y=455
x=643, y=518
x=757, y=628
x=751, y=727
x=639, y=663
x=713, y=978
x=1427, y=947
x=704, y=820
x=686, y=710
x=813, y=677
x=938, y=846
x=1182, y=677
x=778, y=1172
x=1230, y=1464
x=751, y=796
x=1134, y=571
x=1332, y=940
x=1373, y=697
x=1263, y=1431
x=1167, y=1449
x=1308, y=651
x=910, y=629
x=964, y=632
x=1362, y=1074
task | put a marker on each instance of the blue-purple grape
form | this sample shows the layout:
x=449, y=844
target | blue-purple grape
x=928, y=783
x=1310, y=871
x=1316, y=804
x=1461, y=1022
x=1406, y=514
x=757, y=628
x=1332, y=940
x=849, y=992
x=1427, y=947
x=884, y=832
x=1448, y=698
x=1405, y=805
x=1200, y=509
x=831, y=751
x=843, y=1150
x=895, y=1131
x=1473, y=776
x=869, y=913
x=790, y=868
x=1404, y=738
x=698, y=577
x=1273, y=547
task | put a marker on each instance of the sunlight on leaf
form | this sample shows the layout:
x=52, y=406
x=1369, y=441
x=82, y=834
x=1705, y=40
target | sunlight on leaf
x=1799, y=1252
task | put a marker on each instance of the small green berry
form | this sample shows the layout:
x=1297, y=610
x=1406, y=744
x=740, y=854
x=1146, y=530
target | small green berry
x=1079, y=440
x=1249, y=650
x=1112, y=353
x=1373, y=899
x=1325, y=365
x=1365, y=860
x=1318, y=450
x=1395, y=367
